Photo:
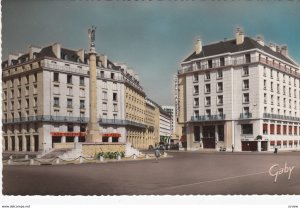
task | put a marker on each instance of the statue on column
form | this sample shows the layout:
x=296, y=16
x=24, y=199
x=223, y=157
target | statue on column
x=92, y=33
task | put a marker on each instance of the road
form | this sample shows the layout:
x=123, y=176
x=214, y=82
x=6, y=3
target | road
x=184, y=173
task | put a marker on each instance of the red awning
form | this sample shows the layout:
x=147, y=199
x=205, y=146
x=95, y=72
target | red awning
x=68, y=134
x=183, y=138
x=111, y=135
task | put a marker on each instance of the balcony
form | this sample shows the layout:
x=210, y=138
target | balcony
x=47, y=118
x=208, y=118
x=245, y=115
x=121, y=122
x=281, y=117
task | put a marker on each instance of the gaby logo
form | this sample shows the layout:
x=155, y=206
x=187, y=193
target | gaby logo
x=275, y=171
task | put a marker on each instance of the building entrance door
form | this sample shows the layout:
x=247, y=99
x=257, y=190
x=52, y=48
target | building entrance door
x=209, y=137
x=209, y=143
x=264, y=146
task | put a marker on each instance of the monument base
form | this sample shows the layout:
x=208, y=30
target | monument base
x=93, y=136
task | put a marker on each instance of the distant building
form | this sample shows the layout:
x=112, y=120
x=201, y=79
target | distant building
x=165, y=132
x=171, y=111
x=239, y=93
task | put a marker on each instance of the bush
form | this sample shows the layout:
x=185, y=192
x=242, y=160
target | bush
x=110, y=155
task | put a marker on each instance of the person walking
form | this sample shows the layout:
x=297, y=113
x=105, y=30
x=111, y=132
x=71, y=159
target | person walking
x=157, y=152
x=232, y=148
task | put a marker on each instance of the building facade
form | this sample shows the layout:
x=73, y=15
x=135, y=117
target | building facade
x=165, y=132
x=46, y=100
x=171, y=111
x=240, y=94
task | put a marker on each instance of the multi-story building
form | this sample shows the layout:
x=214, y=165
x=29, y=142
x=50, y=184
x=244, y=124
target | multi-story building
x=164, y=126
x=239, y=93
x=152, y=123
x=45, y=100
x=171, y=111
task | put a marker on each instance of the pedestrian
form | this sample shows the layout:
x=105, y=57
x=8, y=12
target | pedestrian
x=232, y=148
x=157, y=152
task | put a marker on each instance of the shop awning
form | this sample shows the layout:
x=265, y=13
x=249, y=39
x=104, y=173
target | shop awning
x=68, y=134
x=111, y=135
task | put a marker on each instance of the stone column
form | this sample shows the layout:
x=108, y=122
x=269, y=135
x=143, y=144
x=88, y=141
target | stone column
x=93, y=128
x=109, y=139
x=31, y=141
x=3, y=144
x=76, y=139
x=63, y=139
x=16, y=141
x=24, y=146
x=9, y=142
x=259, y=146
x=269, y=144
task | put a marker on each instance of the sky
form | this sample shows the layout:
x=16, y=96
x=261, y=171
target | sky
x=152, y=37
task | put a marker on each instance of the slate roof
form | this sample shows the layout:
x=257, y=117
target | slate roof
x=230, y=46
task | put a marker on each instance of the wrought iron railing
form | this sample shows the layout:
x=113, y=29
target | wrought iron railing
x=208, y=117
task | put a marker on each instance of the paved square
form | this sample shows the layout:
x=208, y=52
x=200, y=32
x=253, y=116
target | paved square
x=184, y=173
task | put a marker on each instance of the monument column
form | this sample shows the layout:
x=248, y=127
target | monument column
x=93, y=129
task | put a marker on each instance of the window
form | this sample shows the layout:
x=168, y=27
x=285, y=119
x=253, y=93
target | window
x=271, y=73
x=265, y=128
x=210, y=63
x=265, y=84
x=19, y=92
x=278, y=101
x=220, y=86
x=104, y=105
x=69, y=79
x=246, y=110
x=115, y=96
x=195, y=78
x=12, y=93
x=81, y=81
x=208, y=112
x=27, y=79
x=115, y=107
x=220, y=111
x=248, y=58
x=102, y=74
x=207, y=88
x=112, y=75
x=69, y=91
x=35, y=102
x=220, y=99
x=196, y=113
x=35, y=77
x=35, y=89
x=278, y=88
x=104, y=85
x=104, y=115
x=207, y=101
x=104, y=95
x=82, y=104
x=198, y=64
x=271, y=86
x=69, y=103
x=196, y=102
x=196, y=89
x=207, y=76
x=81, y=92
x=219, y=74
x=56, y=102
x=272, y=99
x=222, y=61
x=70, y=128
x=245, y=70
x=283, y=90
x=246, y=98
x=27, y=103
x=246, y=84
x=247, y=129
x=56, y=77
x=265, y=71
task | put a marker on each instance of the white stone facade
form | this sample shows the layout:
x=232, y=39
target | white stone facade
x=233, y=99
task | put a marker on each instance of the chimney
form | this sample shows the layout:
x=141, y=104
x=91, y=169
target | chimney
x=32, y=50
x=103, y=59
x=278, y=49
x=239, y=35
x=284, y=50
x=56, y=50
x=273, y=47
x=80, y=53
x=198, y=46
x=260, y=40
x=12, y=57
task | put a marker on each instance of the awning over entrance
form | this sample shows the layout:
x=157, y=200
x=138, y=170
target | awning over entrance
x=68, y=134
x=111, y=135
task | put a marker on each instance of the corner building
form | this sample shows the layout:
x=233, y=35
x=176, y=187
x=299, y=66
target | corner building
x=45, y=99
x=239, y=93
